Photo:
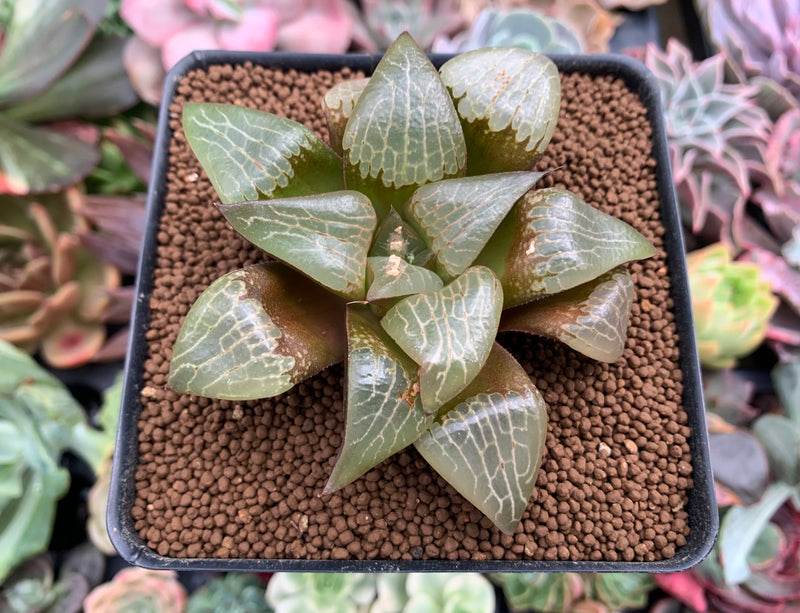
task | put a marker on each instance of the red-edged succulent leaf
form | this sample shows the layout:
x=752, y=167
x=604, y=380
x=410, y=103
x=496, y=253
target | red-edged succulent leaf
x=324, y=236
x=449, y=332
x=489, y=440
x=591, y=318
x=404, y=130
x=457, y=217
x=552, y=241
x=393, y=277
x=509, y=112
x=395, y=236
x=251, y=155
x=338, y=105
x=73, y=343
x=384, y=411
x=256, y=332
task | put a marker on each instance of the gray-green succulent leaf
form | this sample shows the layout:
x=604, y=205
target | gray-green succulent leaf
x=395, y=236
x=393, y=277
x=338, y=104
x=255, y=333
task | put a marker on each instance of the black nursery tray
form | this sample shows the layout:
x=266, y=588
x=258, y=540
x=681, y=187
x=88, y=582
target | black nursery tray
x=702, y=512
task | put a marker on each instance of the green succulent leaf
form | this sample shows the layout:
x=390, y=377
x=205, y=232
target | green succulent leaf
x=393, y=277
x=553, y=241
x=591, y=318
x=404, y=130
x=780, y=439
x=338, y=105
x=255, y=333
x=488, y=442
x=38, y=160
x=458, y=216
x=395, y=236
x=325, y=236
x=510, y=112
x=449, y=332
x=252, y=155
x=384, y=411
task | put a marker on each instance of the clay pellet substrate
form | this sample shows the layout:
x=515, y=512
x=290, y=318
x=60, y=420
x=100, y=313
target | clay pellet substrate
x=220, y=479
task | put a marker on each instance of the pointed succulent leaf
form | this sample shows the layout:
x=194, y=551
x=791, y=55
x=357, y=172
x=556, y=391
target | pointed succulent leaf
x=256, y=332
x=488, y=442
x=251, y=155
x=552, y=241
x=395, y=236
x=37, y=160
x=458, y=216
x=338, y=105
x=384, y=411
x=393, y=277
x=510, y=112
x=404, y=130
x=591, y=318
x=326, y=236
x=449, y=332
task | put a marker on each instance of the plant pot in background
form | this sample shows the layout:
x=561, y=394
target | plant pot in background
x=626, y=481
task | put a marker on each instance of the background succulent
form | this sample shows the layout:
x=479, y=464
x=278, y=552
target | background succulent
x=546, y=592
x=421, y=339
x=138, y=589
x=380, y=22
x=233, y=593
x=433, y=593
x=321, y=593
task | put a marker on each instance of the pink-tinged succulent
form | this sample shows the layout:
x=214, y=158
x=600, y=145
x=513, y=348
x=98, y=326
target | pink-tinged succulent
x=166, y=30
x=138, y=589
x=760, y=38
x=379, y=22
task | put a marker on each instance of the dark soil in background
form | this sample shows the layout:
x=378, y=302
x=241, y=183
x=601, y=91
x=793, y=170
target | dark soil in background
x=219, y=479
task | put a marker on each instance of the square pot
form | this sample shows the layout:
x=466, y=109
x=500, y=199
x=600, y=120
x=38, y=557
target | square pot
x=165, y=506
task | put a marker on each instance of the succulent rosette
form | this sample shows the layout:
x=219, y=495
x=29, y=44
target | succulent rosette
x=138, y=589
x=401, y=256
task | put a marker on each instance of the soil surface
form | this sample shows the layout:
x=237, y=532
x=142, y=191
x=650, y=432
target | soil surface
x=220, y=479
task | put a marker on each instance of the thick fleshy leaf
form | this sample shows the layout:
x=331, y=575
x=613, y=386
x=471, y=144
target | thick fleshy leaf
x=384, y=411
x=488, y=443
x=458, y=216
x=393, y=277
x=404, y=130
x=251, y=155
x=553, y=241
x=395, y=236
x=591, y=318
x=256, y=332
x=338, y=105
x=37, y=160
x=449, y=332
x=510, y=112
x=326, y=236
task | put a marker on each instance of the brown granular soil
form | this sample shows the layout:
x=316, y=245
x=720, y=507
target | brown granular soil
x=220, y=479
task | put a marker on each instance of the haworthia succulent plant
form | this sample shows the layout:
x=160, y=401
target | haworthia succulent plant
x=402, y=265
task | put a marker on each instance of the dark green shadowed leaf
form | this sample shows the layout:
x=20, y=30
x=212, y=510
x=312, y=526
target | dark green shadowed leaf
x=591, y=318
x=458, y=216
x=393, y=277
x=488, y=442
x=395, y=237
x=255, y=333
x=251, y=155
x=553, y=241
x=404, y=130
x=508, y=101
x=326, y=236
x=449, y=333
x=338, y=105
x=384, y=412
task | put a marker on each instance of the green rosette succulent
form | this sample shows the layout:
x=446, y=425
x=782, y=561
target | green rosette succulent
x=321, y=592
x=398, y=250
x=546, y=592
x=133, y=590
x=433, y=593
x=732, y=305
x=232, y=593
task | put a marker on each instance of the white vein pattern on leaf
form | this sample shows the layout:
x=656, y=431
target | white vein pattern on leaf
x=409, y=280
x=604, y=313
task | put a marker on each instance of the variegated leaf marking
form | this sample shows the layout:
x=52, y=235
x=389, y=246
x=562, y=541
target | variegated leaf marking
x=393, y=277
x=254, y=333
x=395, y=236
x=458, y=216
x=325, y=236
x=449, y=332
x=553, y=241
x=384, y=412
x=338, y=104
x=510, y=112
x=404, y=130
x=489, y=445
x=591, y=318
x=251, y=155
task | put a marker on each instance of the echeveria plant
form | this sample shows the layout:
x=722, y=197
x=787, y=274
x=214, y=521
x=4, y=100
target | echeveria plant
x=401, y=256
x=321, y=592
x=433, y=593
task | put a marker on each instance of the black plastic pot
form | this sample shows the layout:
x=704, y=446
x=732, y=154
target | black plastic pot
x=702, y=511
